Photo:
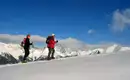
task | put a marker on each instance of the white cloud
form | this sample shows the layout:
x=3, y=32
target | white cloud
x=72, y=43
x=37, y=38
x=121, y=20
x=7, y=38
x=68, y=42
x=90, y=31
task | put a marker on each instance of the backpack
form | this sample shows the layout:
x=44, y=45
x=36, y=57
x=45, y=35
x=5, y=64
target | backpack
x=23, y=42
x=47, y=39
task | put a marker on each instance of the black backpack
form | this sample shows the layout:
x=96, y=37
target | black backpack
x=47, y=39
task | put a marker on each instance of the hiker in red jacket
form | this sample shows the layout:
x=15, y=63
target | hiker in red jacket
x=51, y=45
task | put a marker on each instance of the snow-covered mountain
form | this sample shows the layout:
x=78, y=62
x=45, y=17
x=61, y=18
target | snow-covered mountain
x=12, y=53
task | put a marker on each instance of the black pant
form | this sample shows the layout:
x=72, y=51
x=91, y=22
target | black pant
x=26, y=53
x=51, y=53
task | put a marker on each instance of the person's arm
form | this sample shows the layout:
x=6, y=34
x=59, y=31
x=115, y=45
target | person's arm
x=28, y=42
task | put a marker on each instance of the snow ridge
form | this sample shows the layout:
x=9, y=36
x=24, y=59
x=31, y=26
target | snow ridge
x=13, y=53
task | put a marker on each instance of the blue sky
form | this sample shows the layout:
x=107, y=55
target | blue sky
x=65, y=18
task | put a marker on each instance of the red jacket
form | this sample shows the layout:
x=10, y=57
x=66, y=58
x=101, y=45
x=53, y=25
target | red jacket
x=51, y=43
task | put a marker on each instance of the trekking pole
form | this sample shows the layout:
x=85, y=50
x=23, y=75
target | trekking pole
x=33, y=51
x=43, y=49
x=41, y=54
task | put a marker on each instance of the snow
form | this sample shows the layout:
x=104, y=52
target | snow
x=125, y=49
x=110, y=67
x=111, y=49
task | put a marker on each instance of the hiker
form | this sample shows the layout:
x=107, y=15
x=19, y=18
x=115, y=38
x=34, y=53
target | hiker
x=51, y=45
x=26, y=45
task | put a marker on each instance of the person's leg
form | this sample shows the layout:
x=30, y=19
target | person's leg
x=26, y=54
x=49, y=53
x=53, y=51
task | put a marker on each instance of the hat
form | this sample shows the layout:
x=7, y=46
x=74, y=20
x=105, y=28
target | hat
x=53, y=34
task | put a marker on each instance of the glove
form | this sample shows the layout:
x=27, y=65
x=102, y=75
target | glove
x=31, y=43
x=57, y=41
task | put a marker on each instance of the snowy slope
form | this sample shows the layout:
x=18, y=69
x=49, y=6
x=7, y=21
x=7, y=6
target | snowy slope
x=12, y=53
x=110, y=67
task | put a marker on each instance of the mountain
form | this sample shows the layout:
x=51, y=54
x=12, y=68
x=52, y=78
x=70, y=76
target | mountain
x=13, y=53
